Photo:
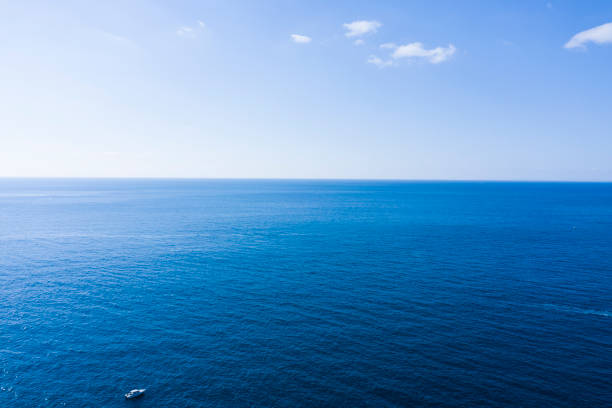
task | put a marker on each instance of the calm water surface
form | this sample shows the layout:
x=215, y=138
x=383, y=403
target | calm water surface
x=305, y=293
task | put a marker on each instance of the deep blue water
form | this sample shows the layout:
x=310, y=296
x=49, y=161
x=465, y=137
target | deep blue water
x=305, y=293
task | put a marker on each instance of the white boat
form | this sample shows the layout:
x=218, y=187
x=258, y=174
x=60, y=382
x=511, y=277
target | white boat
x=135, y=393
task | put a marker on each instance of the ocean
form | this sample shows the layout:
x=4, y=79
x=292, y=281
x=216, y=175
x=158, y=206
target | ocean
x=275, y=293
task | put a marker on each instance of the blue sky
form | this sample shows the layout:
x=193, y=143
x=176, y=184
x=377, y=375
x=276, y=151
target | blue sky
x=461, y=90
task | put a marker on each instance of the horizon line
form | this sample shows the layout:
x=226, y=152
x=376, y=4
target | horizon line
x=298, y=179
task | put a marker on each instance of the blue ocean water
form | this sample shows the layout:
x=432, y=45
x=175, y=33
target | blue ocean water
x=227, y=293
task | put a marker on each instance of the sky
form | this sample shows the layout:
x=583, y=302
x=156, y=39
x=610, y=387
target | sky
x=470, y=90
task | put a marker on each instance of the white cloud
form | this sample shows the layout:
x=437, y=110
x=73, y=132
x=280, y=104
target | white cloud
x=373, y=59
x=599, y=35
x=300, y=39
x=117, y=39
x=359, y=28
x=388, y=45
x=358, y=42
x=114, y=37
x=188, y=31
x=185, y=31
x=416, y=50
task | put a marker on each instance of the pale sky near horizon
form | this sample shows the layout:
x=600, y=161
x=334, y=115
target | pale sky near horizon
x=498, y=90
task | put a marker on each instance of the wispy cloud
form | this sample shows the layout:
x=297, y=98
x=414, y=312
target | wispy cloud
x=189, y=31
x=416, y=50
x=116, y=39
x=300, y=39
x=388, y=45
x=380, y=63
x=362, y=27
x=185, y=31
x=599, y=35
x=359, y=41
